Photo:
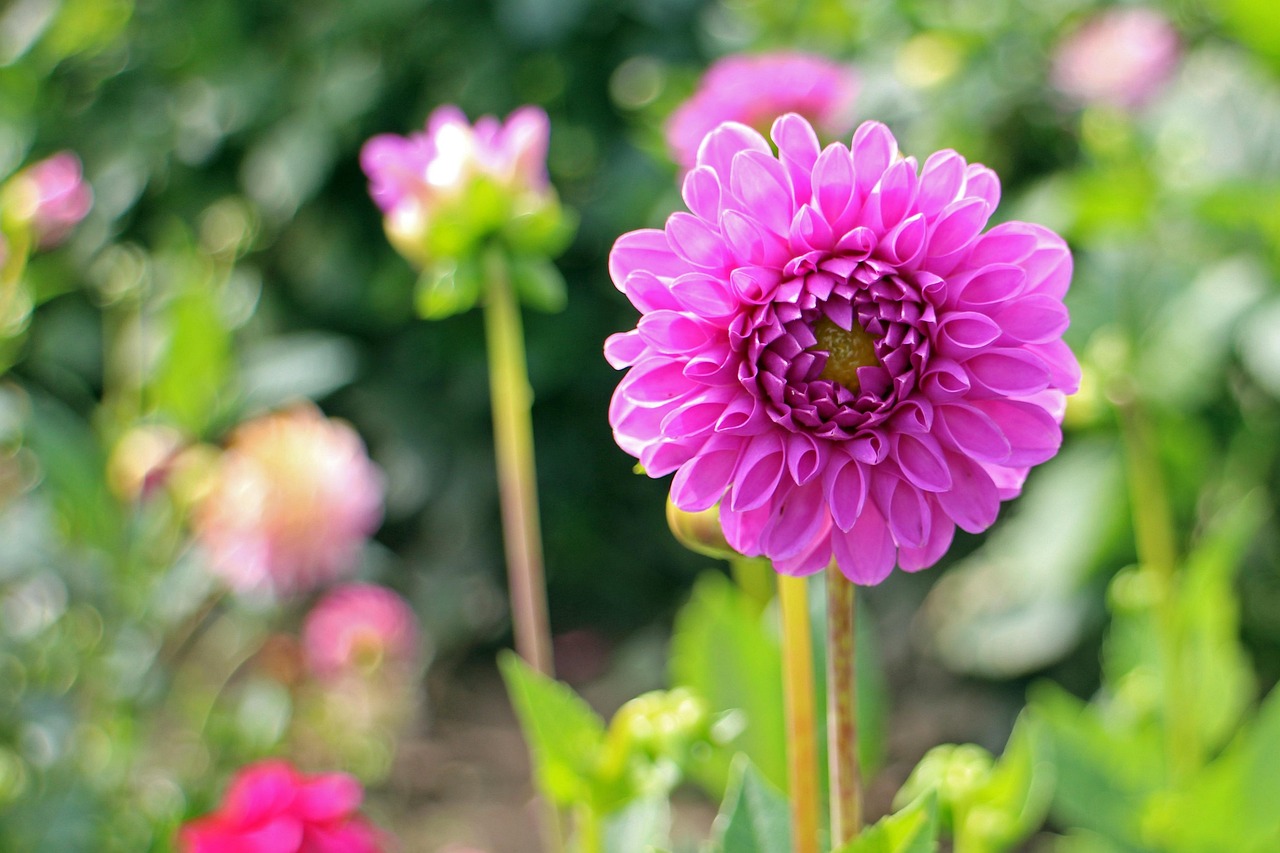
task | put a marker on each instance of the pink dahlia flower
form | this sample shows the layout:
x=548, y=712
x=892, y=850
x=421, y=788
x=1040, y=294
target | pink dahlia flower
x=54, y=197
x=359, y=627
x=272, y=808
x=1120, y=58
x=832, y=350
x=292, y=502
x=755, y=90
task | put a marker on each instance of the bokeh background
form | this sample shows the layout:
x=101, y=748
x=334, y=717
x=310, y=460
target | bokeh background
x=233, y=263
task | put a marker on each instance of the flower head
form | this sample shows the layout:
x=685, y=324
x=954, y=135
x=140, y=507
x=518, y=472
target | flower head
x=1120, y=58
x=293, y=500
x=832, y=350
x=272, y=808
x=445, y=190
x=359, y=627
x=755, y=90
x=53, y=197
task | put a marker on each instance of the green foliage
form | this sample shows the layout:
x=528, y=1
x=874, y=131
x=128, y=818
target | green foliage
x=754, y=817
x=912, y=829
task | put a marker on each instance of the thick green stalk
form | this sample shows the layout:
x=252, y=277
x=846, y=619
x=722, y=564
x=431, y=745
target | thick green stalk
x=842, y=710
x=802, y=719
x=517, y=480
x=1156, y=542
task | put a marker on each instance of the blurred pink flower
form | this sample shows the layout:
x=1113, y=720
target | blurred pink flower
x=1120, y=58
x=755, y=90
x=411, y=177
x=54, y=197
x=360, y=627
x=831, y=349
x=292, y=501
x=272, y=808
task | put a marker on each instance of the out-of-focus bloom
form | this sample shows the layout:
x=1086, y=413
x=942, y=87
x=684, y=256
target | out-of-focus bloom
x=53, y=196
x=272, y=808
x=452, y=190
x=142, y=461
x=1120, y=58
x=292, y=502
x=755, y=90
x=360, y=628
x=832, y=350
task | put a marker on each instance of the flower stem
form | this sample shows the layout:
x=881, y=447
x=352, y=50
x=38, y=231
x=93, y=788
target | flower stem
x=517, y=481
x=842, y=710
x=802, y=742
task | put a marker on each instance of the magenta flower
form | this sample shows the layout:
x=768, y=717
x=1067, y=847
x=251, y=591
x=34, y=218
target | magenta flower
x=272, y=808
x=293, y=500
x=832, y=350
x=1120, y=58
x=755, y=90
x=360, y=627
x=54, y=197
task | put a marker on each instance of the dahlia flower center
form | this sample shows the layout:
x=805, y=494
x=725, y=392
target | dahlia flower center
x=846, y=349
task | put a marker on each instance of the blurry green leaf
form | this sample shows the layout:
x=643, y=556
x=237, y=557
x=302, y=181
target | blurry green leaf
x=1260, y=346
x=546, y=231
x=1013, y=802
x=1019, y=603
x=564, y=735
x=640, y=827
x=754, y=817
x=306, y=365
x=1255, y=23
x=721, y=649
x=913, y=829
x=190, y=383
x=1106, y=771
x=539, y=284
x=85, y=26
x=448, y=287
x=1232, y=804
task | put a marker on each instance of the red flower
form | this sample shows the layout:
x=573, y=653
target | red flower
x=272, y=808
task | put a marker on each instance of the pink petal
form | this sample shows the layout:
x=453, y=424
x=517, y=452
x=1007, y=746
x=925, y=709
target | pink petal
x=1034, y=436
x=1064, y=370
x=673, y=332
x=702, y=193
x=760, y=468
x=972, y=432
x=1008, y=372
x=992, y=283
x=751, y=243
x=905, y=243
x=1032, y=318
x=806, y=457
x=648, y=292
x=983, y=183
x=945, y=380
x=961, y=333
x=866, y=553
x=834, y=179
x=904, y=508
x=921, y=462
x=760, y=181
x=958, y=225
x=704, y=295
x=798, y=148
x=796, y=523
x=973, y=502
x=720, y=145
x=940, y=182
x=895, y=192
x=329, y=797
x=701, y=482
x=646, y=250
x=846, y=488
x=940, y=536
x=696, y=242
x=624, y=349
x=874, y=148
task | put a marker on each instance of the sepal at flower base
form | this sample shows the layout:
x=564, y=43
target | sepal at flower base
x=447, y=287
x=538, y=283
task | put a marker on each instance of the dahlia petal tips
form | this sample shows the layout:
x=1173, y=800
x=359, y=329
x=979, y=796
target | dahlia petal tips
x=832, y=349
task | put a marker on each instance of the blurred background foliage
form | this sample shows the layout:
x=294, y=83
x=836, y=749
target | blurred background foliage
x=233, y=263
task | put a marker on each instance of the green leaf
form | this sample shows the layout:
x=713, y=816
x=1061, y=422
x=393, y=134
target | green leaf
x=565, y=736
x=722, y=650
x=754, y=817
x=1106, y=768
x=198, y=345
x=1232, y=804
x=1013, y=802
x=448, y=287
x=913, y=829
x=642, y=826
x=539, y=284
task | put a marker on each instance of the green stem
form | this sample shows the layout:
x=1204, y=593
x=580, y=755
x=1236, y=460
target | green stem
x=517, y=480
x=802, y=723
x=1157, y=548
x=587, y=823
x=842, y=710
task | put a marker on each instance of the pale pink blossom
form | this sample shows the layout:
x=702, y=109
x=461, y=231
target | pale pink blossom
x=756, y=89
x=54, y=197
x=1121, y=58
x=293, y=500
x=358, y=628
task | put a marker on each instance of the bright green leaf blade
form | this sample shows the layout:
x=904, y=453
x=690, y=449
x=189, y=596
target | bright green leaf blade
x=914, y=829
x=722, y=650
x=199, y=345
x=755, y=816
x=564, y=735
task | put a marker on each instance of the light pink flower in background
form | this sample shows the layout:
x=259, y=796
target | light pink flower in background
x=294, y=498
x=272, y=808
x=357, y=628
x=411, y=177
x=832, y=350
x=756, y=89
x=1119, y=58
x=54, y=197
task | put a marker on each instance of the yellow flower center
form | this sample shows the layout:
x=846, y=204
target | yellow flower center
x=847, y=350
